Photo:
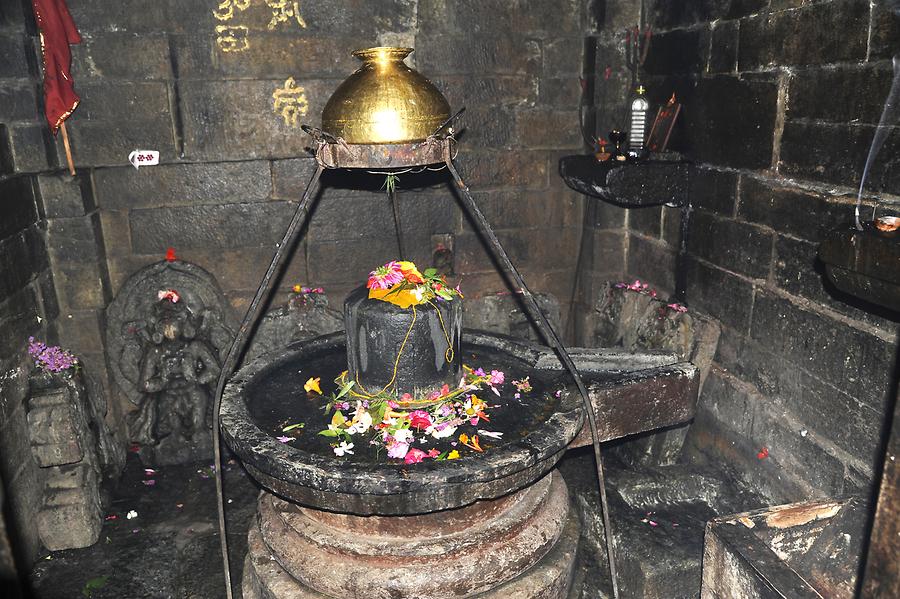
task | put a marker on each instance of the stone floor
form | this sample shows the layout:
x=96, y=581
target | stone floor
x=171, y=550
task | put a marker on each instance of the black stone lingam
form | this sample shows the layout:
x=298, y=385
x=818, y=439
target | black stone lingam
x=403, y=350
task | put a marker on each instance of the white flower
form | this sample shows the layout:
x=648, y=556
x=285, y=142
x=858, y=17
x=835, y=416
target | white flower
x=418, y=292
x=343, y=449
x=440, y=432
x=490, y=434
x=403, y=435
x=131, y=515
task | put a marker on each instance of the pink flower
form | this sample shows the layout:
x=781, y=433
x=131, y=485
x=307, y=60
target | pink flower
x=497, y=377
x=284, y=439
x=677, y=307
x=396, y=449
x=433, y=453
x=385, y=277
x=419, y=419
x=479, y=372
x=414, y=456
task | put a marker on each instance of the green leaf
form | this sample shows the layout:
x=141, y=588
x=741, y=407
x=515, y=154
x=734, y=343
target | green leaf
x=291, y=427
x=94, y=584
x=329, y=433
x=344, y=390
x=429, y=272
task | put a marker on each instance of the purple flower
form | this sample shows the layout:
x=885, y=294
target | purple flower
x=284, y=439
x=497, y=377
x=52, y=359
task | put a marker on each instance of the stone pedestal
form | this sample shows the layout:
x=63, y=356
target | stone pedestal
x=521, y=545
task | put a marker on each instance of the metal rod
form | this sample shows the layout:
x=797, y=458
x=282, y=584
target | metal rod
x=239, y=344
x=546, y=329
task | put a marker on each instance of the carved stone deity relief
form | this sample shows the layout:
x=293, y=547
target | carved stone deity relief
x=168, y=331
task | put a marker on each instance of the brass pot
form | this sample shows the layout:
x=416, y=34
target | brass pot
x=384, y=102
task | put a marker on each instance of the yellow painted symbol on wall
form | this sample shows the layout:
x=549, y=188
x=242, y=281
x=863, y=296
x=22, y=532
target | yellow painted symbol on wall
x=290, y=102
x=226, y=8
x=232, y=38
x=283, y=11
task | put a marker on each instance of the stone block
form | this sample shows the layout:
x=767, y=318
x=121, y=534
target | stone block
x=17, y=455
x=798, y=271
x=260, y=224
x=840, y=94
x=492, y=54
x=539, y=18
x=108, y=143
x=135, y=16
x=731, y=121
x=290, y=177
x=82, y=330
x=885, y=31
x=73, y=240
x=668, y=14
x=652, y=262
x=646, y=221
x=70, y=516
x=850, y=359
x=182, y=184
x=55, y=428
x=348, y=262
x=19, y=208
x=805, y=36
x=113, y=102
x=731, y=244
x=274, y=54
x=520, y=210
x=16, y=264
x=16, y=51
x=836, y=154
x=61, y=195
x=489, y=127
x=18, y=102
x=336, y=218
x=671, y=226
x=607, y=252
x=720, y=294
x=79, y=285
x=113, y=55
x=548, y=129
x=678, y=51
x=19, y=312
x=605, y=216
x=751, y=421
x=563, y=56
x=487, y=90
x=26, y=148
x=240, y=120
x=490, y=170
x=723, y=47
x=563, y=92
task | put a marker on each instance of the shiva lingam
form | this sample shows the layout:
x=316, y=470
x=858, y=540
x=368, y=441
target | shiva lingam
x=428, y=477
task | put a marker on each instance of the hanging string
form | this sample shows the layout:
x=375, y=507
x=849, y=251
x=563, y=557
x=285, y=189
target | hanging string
x=448, y=355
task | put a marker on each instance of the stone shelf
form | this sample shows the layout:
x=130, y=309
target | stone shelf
x=864, y=263
x=629, y=184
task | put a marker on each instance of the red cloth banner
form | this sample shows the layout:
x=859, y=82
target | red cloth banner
x=57, y=32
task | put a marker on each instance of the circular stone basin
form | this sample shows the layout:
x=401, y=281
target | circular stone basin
x=267, y=395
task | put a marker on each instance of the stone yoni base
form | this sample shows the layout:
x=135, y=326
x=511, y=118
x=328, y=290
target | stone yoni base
x=522, y=545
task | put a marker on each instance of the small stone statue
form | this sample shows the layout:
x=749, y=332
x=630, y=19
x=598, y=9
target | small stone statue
x=178, y=369
x=168, y=331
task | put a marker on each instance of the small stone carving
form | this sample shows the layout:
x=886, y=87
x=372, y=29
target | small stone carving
x=167, y=334
x=305, y=316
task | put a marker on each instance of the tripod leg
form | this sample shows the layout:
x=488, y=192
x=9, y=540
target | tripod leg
x=543, y=325
x=301, y=215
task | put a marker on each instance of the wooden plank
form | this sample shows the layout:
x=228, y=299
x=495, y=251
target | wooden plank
x=641, y=401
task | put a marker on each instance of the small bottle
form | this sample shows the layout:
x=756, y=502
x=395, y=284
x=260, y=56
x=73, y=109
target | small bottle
x=638, y=134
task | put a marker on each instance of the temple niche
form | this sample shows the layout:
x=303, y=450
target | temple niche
x=167, y=332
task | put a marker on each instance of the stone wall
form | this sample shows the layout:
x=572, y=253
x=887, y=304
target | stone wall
x=780, y=101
